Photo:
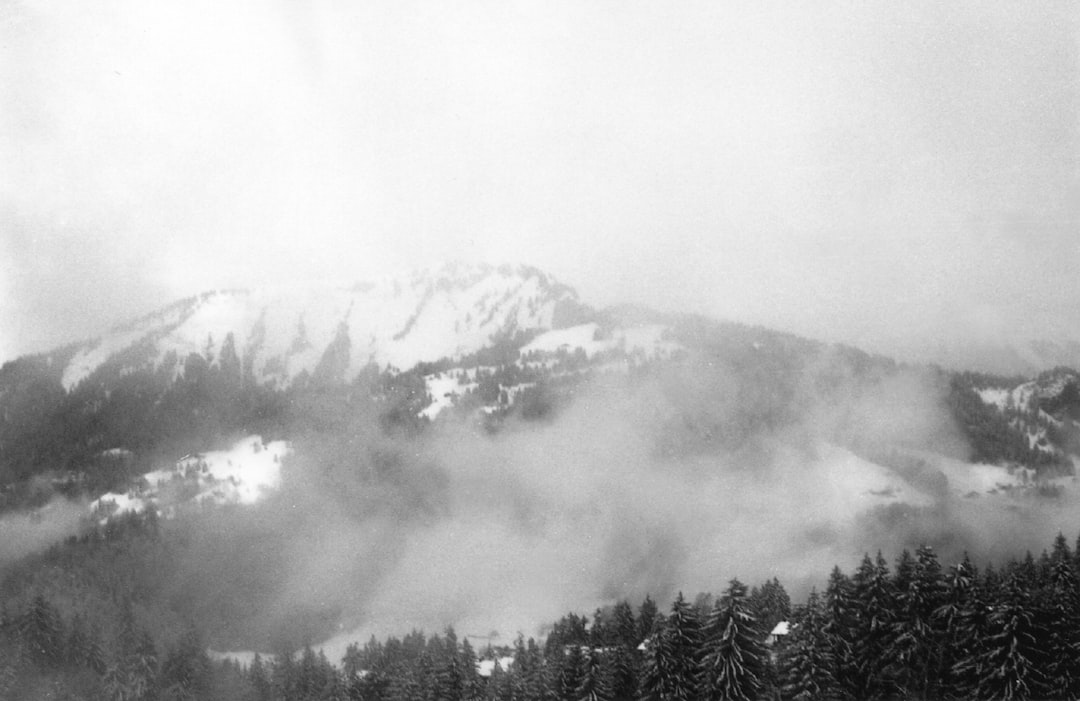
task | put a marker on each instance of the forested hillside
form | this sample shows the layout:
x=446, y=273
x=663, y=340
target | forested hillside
x=626, y=454
x=736, y=382
x=917, y=630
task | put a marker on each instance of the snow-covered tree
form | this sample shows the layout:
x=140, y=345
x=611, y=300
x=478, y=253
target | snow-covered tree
x=1009, y=666
x=735, y=659
x=807, y=666
x=671, y=656
x=874, y=618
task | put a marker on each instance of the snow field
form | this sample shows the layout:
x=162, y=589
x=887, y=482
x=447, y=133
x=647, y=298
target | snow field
x=242, y=474
x=399, y=322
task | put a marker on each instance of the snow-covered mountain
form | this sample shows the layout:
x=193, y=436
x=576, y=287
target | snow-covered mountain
x=280, y=333
x=1042, y=413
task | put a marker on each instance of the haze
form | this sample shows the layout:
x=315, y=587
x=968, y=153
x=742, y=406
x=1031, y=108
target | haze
x=902, y=178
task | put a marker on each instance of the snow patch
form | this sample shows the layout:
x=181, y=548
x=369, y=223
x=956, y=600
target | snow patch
x=485, y=668
x=995, y=396
x=444, y=389
x=242, y=474
x=116, y=504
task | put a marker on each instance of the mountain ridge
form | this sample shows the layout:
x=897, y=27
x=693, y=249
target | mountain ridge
x=498, y=340
x=280, y=332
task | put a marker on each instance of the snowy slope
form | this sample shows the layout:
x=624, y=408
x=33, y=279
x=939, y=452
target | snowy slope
x=1043, y=411
x=615, y=348
x=241, y=474
x=282, y=332
x=648, y=340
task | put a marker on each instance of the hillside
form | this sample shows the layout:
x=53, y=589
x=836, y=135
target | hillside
x=288, y=466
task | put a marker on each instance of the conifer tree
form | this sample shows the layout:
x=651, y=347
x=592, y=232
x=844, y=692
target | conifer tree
x=283, y=675
x=599, y=636
x=625, y=626
x=657, y=664
x=625, y=666
x=1009, y=667
x=874, y=619
x=806, y=660
x=571, y=672
x=671, y=656
x=770, y=604
x=914, y=651
x=595, y=680
x=497, y=684
x=962, y=616
x=684, y=640
x=648, y=614
x=735, y=659
x=471, y=689
x=185, y=670
x=840, y=629
x=75, y=647
x=40, y=630
x=259, y=680
x=1061, y=607
x=449, y=683
x=905, y=571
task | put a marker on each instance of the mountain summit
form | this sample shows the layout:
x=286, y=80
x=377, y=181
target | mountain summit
x=279, y=333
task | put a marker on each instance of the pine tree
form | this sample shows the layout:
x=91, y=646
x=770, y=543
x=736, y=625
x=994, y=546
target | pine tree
x=471, y=680
x=1009, y=667
x=874, y=619
x=1061, y=605
x=658, y=663
x=735, y=659
x=259, y=680
x=770, y=604
x=840, y=630
x=625, y=671
x=571, y=672
x=499, y=686
x=185, y=671
x=599, y=635
x=806, y=661
x=962, y=616
x=625, y=626
x=11, y=656
x=648, y=614
x=905, y=571
x=283, y=675
x=915, y=647
x=671, y=655
x=450, y=676
x=331, y=684
x=595, y=681
x=75, y=647
x=41, y=631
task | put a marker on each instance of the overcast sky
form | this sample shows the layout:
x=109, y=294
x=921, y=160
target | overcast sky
x=880, y=173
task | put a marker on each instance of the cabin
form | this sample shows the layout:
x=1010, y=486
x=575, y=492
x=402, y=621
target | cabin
x=780, y=631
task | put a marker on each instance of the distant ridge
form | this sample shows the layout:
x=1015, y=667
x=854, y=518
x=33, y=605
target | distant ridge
x=280, y=332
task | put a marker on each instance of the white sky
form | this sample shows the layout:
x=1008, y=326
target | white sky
x=875, y=172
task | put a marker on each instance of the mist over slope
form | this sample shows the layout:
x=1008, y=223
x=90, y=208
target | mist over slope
x=548, y=457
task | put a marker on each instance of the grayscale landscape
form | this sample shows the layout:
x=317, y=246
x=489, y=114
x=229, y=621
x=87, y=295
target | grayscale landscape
x=537, y=351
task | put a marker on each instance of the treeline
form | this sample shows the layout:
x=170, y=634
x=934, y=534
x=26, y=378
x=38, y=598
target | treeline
x=912, y=630
x=915, y=631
